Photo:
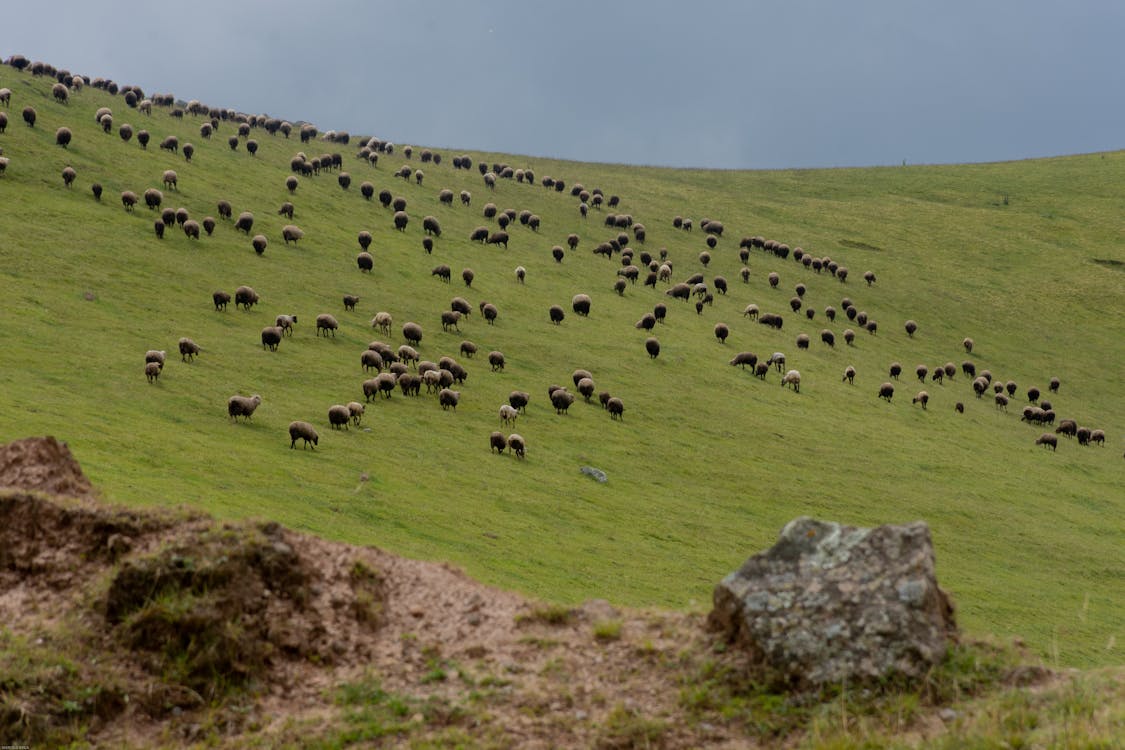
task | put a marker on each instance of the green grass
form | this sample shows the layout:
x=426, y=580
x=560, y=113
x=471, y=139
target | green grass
x=707, y=464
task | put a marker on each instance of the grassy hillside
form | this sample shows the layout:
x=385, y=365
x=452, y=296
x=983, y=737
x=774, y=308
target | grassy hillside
x=708, y=463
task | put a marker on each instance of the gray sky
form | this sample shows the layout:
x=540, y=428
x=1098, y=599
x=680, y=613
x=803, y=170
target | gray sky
x=712, y=83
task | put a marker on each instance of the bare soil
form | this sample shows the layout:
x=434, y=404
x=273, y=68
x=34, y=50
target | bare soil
x=131, y=628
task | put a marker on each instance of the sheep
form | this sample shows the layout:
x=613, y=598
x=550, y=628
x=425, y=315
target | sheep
x=1048, y=440
x=286, y=210
x=496, y=360
x=95, y=188
x=489, y=311
x=153, y=198
x=561, y=399
x=305, y=432
x=508, y=414
x=969, y=369
x=1083, y=434
x=1097, y=436
x=802, y=341
x=371, y=360
x=356, y=411
x=224, y=209
x=771, y=320
x=450, y=319
x=170, y=179
x=208, y=225
x=191, y=229
x=751, y=311
x=745, y=358
x=921, y=371
x=1054, y=385
x=519, y=400
x=158, y=227
x=188, y=349
x=143, y=138
x=1033, y=394
x=382, y=321
x=63, y=137
x=498, y=238
x=6, y=95
x=496, y=442
x=401, y=219
x=443, y=272
x=938, y=376
x=179, y=216
x=221, y=300
x=291, y=183
x=793, y=378
x=245, y=297
x=243, y=406
x=412, y=332
x=365, y=262
x=517, y=445
x=152, y=371
x=968, y=344
x=911, y=327
x=271, y=337
x=1001, y=402
x=448, y=398
x=652, y=346
x=580, y=303
x=245, y=222
x=722, y=331
x=849, y=375
x=923, y=397
x=980, y=385
x=326, y=322
x=774, y=279
x=339, y=416
x=291, y=233
x=1067, y=427
x=887, y=392
x=586, y=388
x=521, y=273
x=383, y=383
x=29, y=116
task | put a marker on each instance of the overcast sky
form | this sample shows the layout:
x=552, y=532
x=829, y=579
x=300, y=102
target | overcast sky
x=711, y=83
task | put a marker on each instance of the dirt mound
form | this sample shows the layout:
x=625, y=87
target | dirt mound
x=44, y=465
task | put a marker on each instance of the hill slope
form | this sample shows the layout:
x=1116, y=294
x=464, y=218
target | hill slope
x=708, y=461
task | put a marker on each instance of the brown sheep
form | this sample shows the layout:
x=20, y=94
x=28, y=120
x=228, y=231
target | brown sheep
x=350, y=301
x=923, y=397
x=303, y=431
x=887, y=392
x=242, y=406
x=580, y=303
x=1049, y=440
x=412, y=332
x=271, y=337
x=496, y=442
x=652, y=346
x=1083, y=434
x=449, y=398
x=489, y=311
x=849, y=374
x=1098, y=436
x=245, y=297
x=326, y=322
x=911, y=327
x=496, y=360
x=722, y=331
x=517, y=445
x=339, y=416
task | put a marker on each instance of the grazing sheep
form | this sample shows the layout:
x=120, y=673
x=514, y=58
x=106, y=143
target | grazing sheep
x=968, y=344
x=921, y=371
x=286, y=323
x=580, y=303
x=722, y=331
x=286, y=210
x=170, y=179
x=802, y=341
x=1001, y=402
x=585, y=388
x=245, y=221
x=1033, y=394
x=911, y=327
x=356, y=411
x=245, y=297
x=938, y=375
x=243, y=406
x=498, y=238
x=1067, y=427
x=326, y=322
x=496, y=360
x=980, y=385
x=365, y=261
x=401, y=219
x=291, y=233
x=489, y=311
x=792, y=378
x=188, y=349
x=1083, y=434
x=561, y=399
x=158, y=227
x=224, y=209
x=774, y=279
x=291, y=183
x=508, y=414
x=923, y=397
x=63, y=137
x=350, y=301
x=771, y=320
x=849, y=375
x=1097, y=436
x=152, y=371
x=339, y=416
x=153, y=198
x=371, y=360
x=969, y=369
x=517, y=445
x=191, y=229
x=449, y=398
x=208, y=225
x=1054, y=385
x=496, y=442
x=450, y=319
x=745, y=358
x=1049, y=440
x=886, y=391
x=443, y=272
x=29, y=116
x=95, y=188
x=271, y=337
x=412, y=332
x=221, y=300
x=303, y=431
x=959, y=408
x=652, y=346
x=521, y=273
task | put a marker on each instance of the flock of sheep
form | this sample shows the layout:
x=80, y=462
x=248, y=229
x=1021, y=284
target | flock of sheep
x=403, y=368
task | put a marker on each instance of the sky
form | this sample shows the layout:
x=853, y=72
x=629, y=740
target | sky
x=728, y=84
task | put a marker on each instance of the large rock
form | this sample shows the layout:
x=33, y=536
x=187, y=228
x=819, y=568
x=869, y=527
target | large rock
x=831, y=603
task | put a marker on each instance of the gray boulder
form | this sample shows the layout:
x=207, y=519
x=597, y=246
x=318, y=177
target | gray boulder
x=830, y=603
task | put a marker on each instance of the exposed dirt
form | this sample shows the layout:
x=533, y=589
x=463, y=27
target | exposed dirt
x=121, y=626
